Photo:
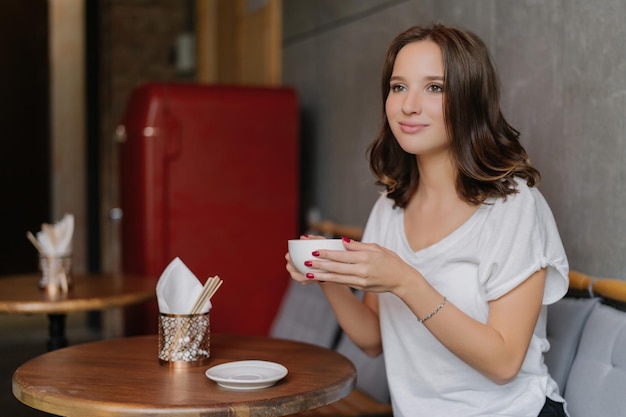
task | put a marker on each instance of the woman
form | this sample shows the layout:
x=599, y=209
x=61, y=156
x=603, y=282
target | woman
x=461, y=250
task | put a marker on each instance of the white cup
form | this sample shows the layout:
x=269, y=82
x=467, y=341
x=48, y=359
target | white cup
x=302, y=250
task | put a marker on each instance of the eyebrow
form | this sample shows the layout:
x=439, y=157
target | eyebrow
x=427, y=78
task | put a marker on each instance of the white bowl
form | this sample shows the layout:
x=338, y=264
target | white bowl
x=301, y=250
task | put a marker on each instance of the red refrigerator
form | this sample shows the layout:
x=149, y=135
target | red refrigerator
x=210, y=174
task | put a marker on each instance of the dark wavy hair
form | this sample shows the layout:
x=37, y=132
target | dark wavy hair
x=485, y=148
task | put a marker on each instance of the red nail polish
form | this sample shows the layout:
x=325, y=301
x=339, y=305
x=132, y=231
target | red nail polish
x=315, y=253
x=304, y=235
x=308, y=263
x=309, y=275
x=345, y=239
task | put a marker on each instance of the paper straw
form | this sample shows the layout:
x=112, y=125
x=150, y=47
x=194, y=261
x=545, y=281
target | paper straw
x=34, y=241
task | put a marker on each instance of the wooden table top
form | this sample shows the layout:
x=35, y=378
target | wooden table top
x=122, y=377
x=20, y=294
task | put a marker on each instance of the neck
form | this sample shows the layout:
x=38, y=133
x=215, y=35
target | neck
x=437, y=177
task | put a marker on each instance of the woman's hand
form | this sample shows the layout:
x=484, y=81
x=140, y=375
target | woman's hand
x=358, y=319
x=363, y=266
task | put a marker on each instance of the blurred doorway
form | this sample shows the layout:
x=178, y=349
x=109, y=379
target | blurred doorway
x=25, y=125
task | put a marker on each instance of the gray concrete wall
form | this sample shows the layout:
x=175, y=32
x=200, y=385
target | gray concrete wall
x=563, y=69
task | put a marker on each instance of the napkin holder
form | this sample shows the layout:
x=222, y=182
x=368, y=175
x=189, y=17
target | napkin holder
x=56, y=273
x=184, y=339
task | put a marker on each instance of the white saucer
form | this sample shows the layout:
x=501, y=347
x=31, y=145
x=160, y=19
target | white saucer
x=246, y=375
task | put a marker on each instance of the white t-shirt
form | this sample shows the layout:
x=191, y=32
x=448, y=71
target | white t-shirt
x=500, y=246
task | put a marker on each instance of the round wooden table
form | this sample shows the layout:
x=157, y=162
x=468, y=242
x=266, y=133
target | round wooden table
x=123, y=377
x=21, y=294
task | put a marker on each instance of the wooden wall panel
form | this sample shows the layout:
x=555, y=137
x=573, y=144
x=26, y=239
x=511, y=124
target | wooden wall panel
x=239, y=41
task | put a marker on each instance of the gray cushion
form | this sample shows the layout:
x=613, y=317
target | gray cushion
x=566, y=320
x=371, y=376
x=597, y=380
x=305, y=315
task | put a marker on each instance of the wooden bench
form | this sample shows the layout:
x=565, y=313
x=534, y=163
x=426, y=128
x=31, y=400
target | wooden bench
x=357, y=404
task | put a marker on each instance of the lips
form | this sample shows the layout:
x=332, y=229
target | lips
x=411, y=127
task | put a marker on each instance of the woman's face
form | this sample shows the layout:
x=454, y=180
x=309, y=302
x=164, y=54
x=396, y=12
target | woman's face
x=414, y=106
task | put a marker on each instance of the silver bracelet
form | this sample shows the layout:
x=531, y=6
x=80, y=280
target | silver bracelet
x=435, y=311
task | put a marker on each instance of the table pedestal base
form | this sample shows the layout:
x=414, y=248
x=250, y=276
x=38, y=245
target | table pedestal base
x=56, y=332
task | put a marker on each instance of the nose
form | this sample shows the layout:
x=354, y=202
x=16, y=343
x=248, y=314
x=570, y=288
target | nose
x=412, y=103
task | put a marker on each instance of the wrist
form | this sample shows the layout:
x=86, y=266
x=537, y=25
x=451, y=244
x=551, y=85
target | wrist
x=411, y=282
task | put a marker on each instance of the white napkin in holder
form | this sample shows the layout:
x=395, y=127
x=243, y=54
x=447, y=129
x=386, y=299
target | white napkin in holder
x=178, y=288
x=54, y=244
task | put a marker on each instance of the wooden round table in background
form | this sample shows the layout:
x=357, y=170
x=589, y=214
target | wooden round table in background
x=21, y=294
x=123, y=377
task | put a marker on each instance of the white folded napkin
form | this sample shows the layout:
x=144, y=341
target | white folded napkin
x=55, y=240
x=178, y=288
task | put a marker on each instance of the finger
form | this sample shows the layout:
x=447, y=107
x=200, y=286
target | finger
x=306, y=236
x=329, y=277
x=340, y=267
x=343, y=256
x=293, y=271
x=351, y=244
x=297, y=276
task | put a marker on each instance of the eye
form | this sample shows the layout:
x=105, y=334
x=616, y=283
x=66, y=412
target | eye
x=396, y=88
x=434, y=88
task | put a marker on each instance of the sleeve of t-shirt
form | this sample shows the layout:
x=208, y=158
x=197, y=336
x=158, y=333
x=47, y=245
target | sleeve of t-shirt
x=523, y=239
x=378, y=220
